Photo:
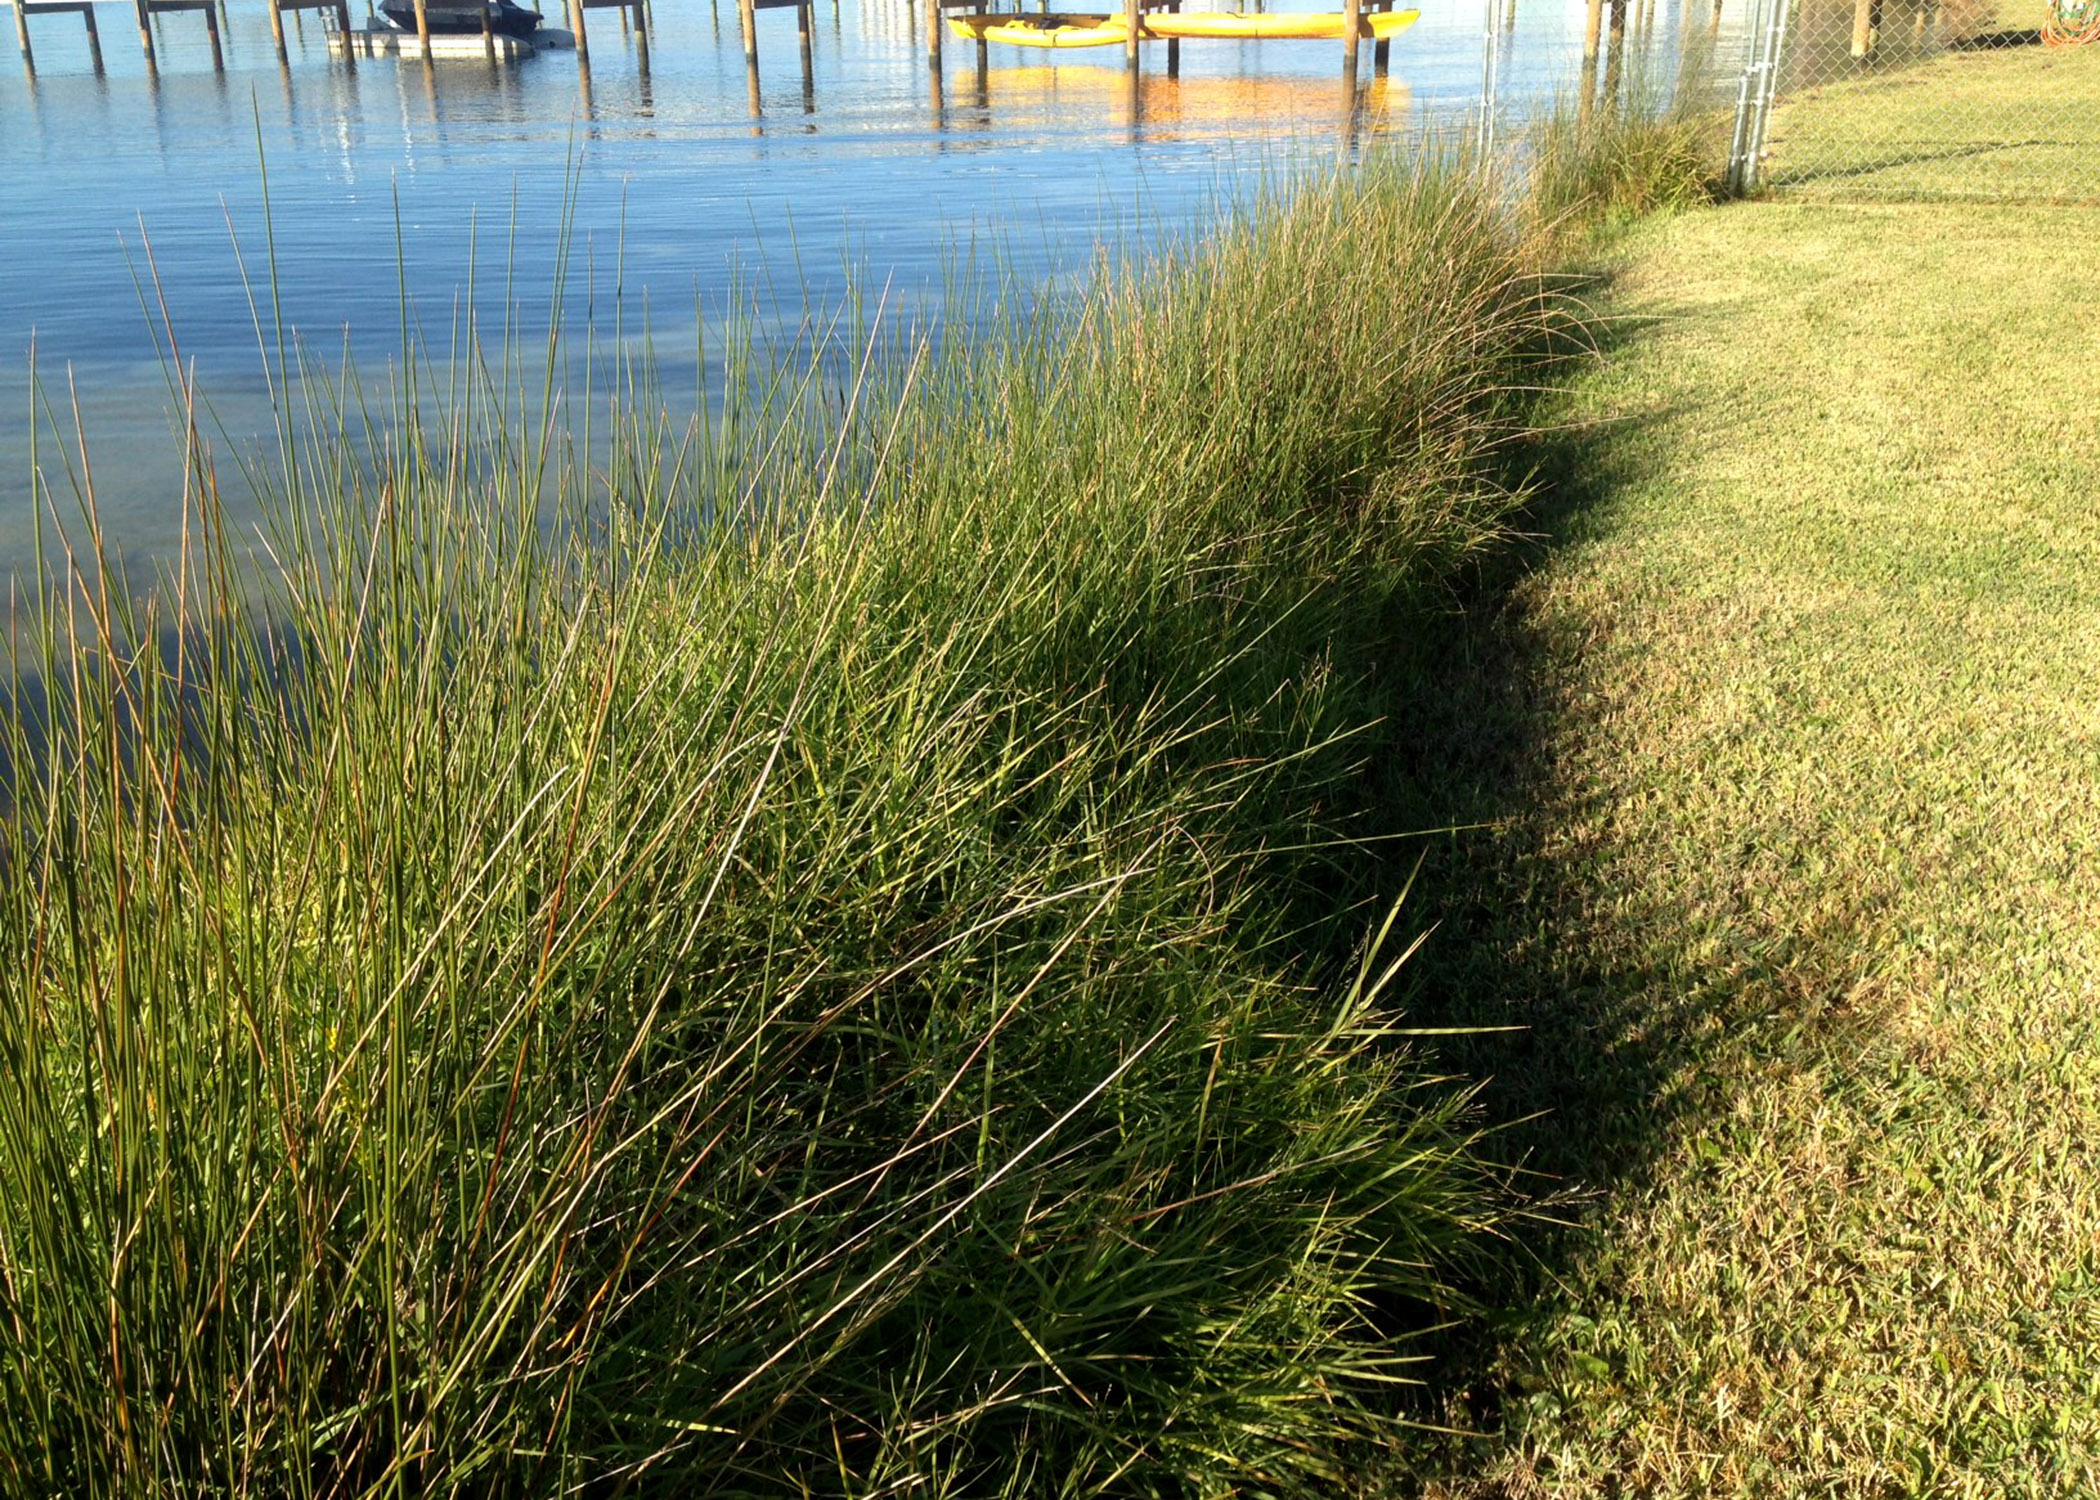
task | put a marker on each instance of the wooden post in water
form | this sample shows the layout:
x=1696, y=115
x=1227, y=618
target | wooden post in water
x=1382, y=49
x=805, y=24
x=1615, y=54
x=83, y=8
x=576, y=24
x=747, y=19
x=423, y=26
x=1173, y=43
x=933, y=35
x=1352, y=24
x=211, y=25
x=1133, y=18
x=146, y=33
x=277, y=31
x=1862, y=29
x=1593, y=30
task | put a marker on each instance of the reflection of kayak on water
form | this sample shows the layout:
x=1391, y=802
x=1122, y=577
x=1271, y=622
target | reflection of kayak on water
x=1104, y=30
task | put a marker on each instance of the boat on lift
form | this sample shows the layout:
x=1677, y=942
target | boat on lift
x=463, y=17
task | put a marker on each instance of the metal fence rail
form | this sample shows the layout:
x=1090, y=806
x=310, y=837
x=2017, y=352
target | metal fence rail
x=1922, y=99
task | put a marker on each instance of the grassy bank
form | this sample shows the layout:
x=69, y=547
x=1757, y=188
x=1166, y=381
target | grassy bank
x=1790, y=745
x=846, y=962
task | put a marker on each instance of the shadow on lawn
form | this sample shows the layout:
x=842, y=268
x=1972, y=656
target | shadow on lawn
x=1607, y=1009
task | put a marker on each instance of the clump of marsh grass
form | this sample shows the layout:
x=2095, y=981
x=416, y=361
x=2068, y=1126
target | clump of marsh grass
x=1610, y=165
x=766, y=954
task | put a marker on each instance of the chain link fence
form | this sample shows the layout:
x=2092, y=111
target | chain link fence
x=1922, y=99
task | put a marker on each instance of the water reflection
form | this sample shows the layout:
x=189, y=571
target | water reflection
x=1163, y=108
x=442, y=189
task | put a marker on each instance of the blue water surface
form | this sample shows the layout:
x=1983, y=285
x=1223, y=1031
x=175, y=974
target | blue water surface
x=127, y=189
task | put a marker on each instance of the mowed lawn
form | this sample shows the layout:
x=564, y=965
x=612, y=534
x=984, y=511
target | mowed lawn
x=1982, y=122
x=1796, y=890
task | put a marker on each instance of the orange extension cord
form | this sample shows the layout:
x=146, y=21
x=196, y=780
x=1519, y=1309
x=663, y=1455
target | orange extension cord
x=2072, y=23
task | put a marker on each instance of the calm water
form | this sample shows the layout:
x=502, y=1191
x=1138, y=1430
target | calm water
x=672, y=174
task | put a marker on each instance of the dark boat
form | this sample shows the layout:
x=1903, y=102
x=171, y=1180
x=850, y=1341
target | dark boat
x=463, y=17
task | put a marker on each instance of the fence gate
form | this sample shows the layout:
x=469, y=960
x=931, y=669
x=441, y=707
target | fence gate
x=1922, y=99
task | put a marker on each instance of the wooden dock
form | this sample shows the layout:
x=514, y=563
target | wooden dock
x=422, y=45
x=146, y=10
x=343, y=40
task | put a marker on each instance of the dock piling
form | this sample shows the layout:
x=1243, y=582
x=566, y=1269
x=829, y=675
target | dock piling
x=1615, y=54
x=1352, y=26
x=1133, y=21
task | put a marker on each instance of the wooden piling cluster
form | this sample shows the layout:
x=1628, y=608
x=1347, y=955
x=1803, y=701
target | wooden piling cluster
x=146, y=10
x=279, y=7
x=85, y=9
x=631, y=13
x=805, y=28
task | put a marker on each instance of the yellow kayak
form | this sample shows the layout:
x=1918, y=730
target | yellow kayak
x=1104, y=31
x=1040, y=31
x=1275, y=27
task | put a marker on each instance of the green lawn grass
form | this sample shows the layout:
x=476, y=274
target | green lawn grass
x=1992, y=123
x=1790, y=750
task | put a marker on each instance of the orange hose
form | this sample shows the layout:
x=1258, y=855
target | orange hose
x=2072, y=23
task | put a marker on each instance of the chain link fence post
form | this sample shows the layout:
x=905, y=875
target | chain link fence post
x=1753, y=100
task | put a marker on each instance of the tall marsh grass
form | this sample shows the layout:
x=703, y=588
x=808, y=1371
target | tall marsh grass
x=810, y=950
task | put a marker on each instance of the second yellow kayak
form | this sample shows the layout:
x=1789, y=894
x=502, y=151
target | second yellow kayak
x=1275, y=27
x=1104, y=30
x=1040, y=31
